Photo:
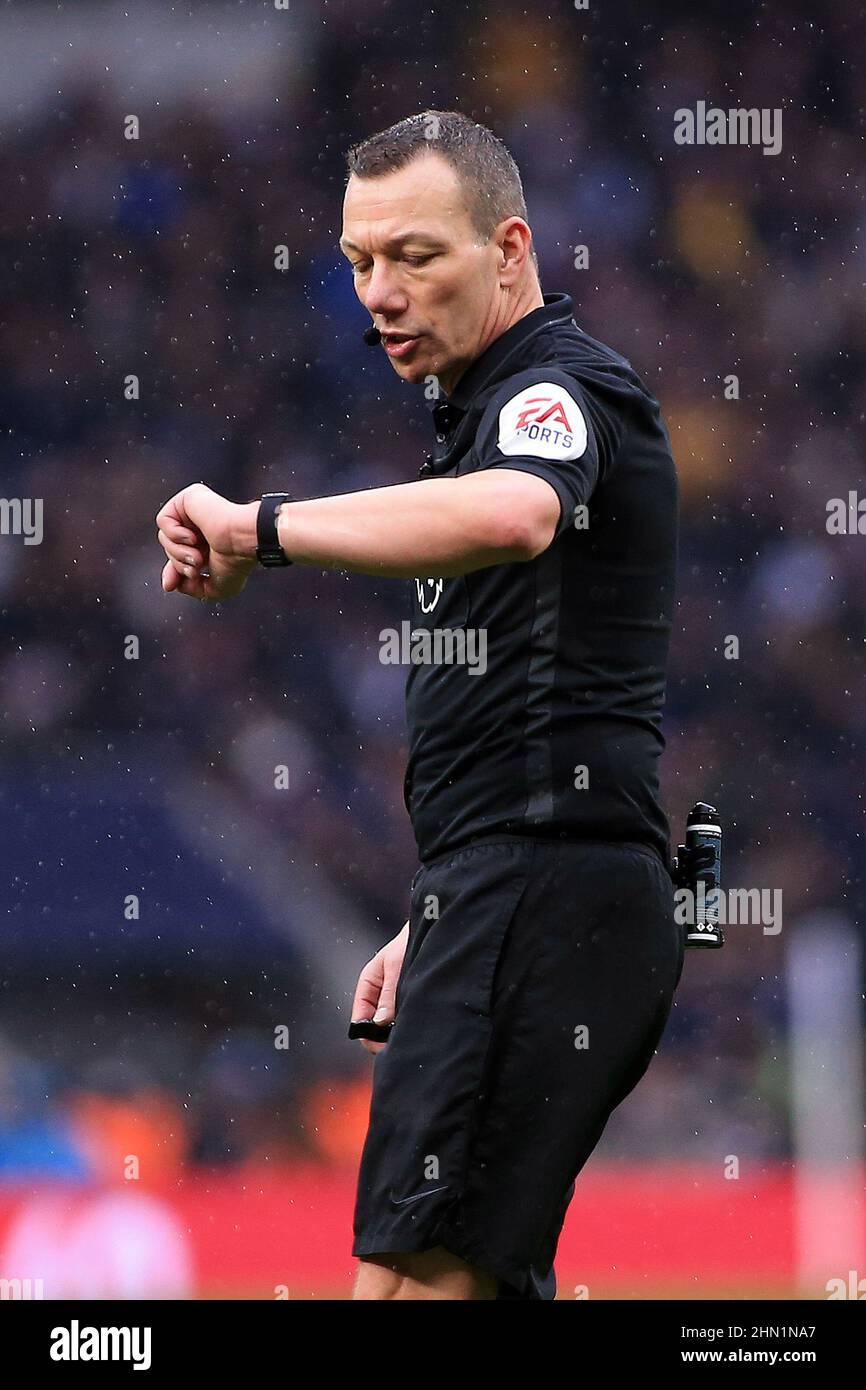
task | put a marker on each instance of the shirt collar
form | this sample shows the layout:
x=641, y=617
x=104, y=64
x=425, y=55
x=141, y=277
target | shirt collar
x=557, y=308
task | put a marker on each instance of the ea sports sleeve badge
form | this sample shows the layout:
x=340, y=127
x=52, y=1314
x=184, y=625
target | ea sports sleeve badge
x=542, y=421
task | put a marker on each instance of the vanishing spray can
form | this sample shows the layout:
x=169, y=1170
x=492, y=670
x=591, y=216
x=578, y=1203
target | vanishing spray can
x=703, y=847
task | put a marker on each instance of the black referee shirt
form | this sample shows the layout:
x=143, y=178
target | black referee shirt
x=544, y=717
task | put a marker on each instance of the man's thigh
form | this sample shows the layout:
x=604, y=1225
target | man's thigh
x=422, y=1274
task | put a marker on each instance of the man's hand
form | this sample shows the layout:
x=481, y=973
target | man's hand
x=210, y=543
x=375, y=995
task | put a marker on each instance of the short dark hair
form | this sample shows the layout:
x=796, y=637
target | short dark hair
x=487, y=172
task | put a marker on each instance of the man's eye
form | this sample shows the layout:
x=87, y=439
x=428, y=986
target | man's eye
x=359, y=267
x=419, y=260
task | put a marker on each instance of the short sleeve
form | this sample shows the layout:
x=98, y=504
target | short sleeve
x=538, y=422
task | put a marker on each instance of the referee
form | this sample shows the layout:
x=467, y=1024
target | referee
x=532, y=982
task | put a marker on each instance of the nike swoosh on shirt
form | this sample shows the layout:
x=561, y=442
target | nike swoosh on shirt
x=416, y=1197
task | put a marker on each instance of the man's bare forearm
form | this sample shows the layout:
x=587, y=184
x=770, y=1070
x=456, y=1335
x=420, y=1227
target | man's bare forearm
x=440, y=526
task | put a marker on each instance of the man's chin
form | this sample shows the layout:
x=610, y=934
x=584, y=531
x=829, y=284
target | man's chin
x=413, y=372
x=419, y=368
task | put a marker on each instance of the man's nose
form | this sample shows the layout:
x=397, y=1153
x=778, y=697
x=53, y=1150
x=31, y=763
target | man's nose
x=383, y=293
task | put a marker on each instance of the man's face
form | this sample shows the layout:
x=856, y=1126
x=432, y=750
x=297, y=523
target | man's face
x=420, y=269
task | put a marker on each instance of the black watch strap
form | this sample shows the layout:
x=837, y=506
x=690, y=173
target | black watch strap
x=268, y=549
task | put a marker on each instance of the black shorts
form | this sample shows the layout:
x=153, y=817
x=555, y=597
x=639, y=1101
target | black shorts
x=536, y=985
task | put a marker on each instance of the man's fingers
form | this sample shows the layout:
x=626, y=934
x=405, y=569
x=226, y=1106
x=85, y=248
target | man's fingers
x=186, y=554
x=376, y=994
x=193, y=586
x=366, y=999
x=386, y=1008
x=169, y=519
x=174, y=520
x=181, y=535
x=369, y=985
x=170, y=577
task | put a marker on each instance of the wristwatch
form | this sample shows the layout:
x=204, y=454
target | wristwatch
x=269, y=552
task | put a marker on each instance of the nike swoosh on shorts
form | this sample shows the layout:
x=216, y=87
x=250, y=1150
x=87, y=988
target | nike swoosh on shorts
x=416, y=1196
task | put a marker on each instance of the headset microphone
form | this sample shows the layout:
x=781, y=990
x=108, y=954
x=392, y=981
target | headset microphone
x=372, y=336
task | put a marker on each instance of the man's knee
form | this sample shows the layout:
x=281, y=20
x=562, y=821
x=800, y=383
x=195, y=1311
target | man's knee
x=422, y=1274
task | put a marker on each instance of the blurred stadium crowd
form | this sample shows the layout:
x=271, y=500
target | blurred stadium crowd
x=155, y=258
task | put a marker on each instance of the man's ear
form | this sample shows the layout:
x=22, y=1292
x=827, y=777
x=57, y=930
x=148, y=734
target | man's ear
x=514, y=239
